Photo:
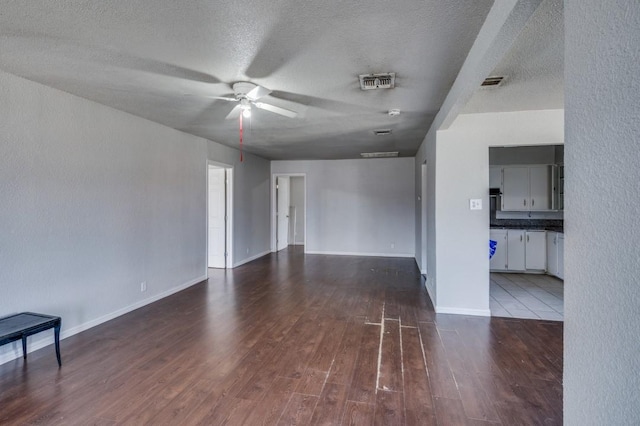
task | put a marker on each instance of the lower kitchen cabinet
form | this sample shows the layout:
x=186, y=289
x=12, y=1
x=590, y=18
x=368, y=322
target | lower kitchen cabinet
x=555, y=254
x=518, y=250
x=499, y=259
x=535, y=250
x=515, y=250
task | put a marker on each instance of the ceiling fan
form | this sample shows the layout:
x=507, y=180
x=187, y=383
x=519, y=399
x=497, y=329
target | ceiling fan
x=248, y=95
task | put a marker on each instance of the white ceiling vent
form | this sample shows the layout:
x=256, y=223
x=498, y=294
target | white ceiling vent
x=379, y=154
x=382, y=132
x=377, y=81
x=495, y=81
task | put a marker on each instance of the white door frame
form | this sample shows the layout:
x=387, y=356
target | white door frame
x=274, y=204
x=228, y=213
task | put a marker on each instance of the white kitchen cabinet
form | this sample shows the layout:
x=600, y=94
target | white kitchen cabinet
x=516, y=250
x=495, y=176
x=515, y=188
x=552, y=253
x=561, y=256
x=535, y=250
x=499, y=260
x=526, y=188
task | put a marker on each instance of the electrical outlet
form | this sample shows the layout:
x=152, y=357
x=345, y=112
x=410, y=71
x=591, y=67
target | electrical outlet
x=143, y=286
x=475, y=204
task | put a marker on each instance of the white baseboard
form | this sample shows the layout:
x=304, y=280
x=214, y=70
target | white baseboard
x=36, y=344
x=429, y=292
x=348, y=253
x=249, y=259
x=463, y=311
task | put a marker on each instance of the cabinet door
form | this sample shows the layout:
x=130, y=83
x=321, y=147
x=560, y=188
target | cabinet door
x=552, y=253
x=495, y=176
x=561, y=256
x=499, y=260
x=536, y=250
x=540, y=187
x=515, y=250
x=515, y=188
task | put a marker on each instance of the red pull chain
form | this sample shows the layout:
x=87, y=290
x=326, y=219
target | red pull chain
x=241, y=157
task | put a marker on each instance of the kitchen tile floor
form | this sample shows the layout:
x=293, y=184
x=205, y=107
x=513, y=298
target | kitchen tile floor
x=527, y=296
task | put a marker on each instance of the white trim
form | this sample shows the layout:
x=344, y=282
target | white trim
x=254, y=257
x=229, y=177
x=429, y=292
x=348, y=253
x=463, y=311
x=46, y=341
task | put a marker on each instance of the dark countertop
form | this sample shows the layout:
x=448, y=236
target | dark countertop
x=531, y=228
x=532, y=225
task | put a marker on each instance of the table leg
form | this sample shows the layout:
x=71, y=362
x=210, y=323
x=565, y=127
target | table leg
x=24, y=347
x=56, y=332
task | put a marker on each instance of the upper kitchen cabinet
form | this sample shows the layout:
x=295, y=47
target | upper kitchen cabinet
x=527, y=188
x=495, y=176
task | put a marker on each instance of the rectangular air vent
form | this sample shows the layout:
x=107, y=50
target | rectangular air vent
x=377, y=81
x=379, y=154
x=492, y=81
x=382, y=132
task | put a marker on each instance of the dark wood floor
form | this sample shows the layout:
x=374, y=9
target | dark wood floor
x=293, y=339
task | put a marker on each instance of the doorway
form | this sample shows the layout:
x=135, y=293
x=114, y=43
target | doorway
x=288, y=213
x=219, y=214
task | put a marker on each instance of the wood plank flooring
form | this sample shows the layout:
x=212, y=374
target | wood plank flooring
x=291, y=339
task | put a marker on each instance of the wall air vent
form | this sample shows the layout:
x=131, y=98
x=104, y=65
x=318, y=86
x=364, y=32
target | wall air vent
x=382, y=132
x=377, y=81
x=493, y=81
x=379, y=154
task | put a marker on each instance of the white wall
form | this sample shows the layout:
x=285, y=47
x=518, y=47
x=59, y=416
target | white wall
x=296, y=227
x=458, y=167
x=602, y=254
x=95, y=201
x=358, y=206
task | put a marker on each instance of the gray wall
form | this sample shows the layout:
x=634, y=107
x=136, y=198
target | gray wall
x=602, y=260
x=458, y=170
x=297, y=201
x=358, y=206
x=95, y=201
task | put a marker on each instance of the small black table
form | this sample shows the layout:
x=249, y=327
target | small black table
x=19, y=326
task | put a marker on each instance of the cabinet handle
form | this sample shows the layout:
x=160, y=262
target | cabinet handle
x=525, y=202
x=520, y=237
x=527, y=237
x=532, y=202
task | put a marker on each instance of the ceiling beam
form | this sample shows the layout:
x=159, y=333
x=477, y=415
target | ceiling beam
x=505, y=21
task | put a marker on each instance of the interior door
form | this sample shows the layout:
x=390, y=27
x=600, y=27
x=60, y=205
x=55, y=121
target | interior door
x=282, y=212
x=217, y=213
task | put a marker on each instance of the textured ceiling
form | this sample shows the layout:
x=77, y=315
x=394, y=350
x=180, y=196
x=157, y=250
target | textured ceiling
x=160, y=59
x=533, y=67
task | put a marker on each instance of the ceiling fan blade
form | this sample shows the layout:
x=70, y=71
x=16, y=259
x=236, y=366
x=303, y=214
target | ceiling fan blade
x=276, y=110
x=223, y=98
x=235, y=112
x=257, y=93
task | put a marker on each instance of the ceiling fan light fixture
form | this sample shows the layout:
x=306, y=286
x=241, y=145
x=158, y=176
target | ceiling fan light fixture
x=246, y=113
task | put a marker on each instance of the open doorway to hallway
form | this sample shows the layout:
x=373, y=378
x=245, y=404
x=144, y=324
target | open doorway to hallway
x=288, y=211
x=219, y=214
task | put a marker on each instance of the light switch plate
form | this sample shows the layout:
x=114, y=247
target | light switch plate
x=475, y=204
